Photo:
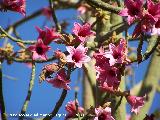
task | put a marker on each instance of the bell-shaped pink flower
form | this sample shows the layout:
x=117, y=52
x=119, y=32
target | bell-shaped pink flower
x=77, y=55
x=133, y=10
x=47, y=35
x=82, y=32
x=14, y=5
x=117, y=54
x=103, y=114
x=71, y=109
x=60, y=80
x=39, y=50
x=135, y=102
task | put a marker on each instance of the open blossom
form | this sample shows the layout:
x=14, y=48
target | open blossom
x=150, y=21
x=60, y=80
x=71, y=109
x=107, y=76
x=133, y=10
x=14, y=5
x=154, y=10
x=145, y=25
x=103, y=114
x=77, y=55
x=82, y=31
x=135, y=102
x=117, y=54
x=47, y=35
x=39, y=50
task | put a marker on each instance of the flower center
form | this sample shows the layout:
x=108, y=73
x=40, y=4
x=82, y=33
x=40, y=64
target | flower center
x=116, y=55
x=39, y=50
x=75, y=58
x=135, y=11
x=102, y=117
x=82, y=32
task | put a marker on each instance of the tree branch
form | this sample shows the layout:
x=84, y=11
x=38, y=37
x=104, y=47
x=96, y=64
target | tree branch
x=104, y=6
x=15, y=39
x=2, y=106
x=58, y=26
x=27, y=100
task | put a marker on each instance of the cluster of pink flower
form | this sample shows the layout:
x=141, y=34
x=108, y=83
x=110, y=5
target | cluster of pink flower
x=109, y=64
x=14, y=5
x=148, y=18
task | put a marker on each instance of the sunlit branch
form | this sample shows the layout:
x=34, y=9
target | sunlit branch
x=104, y=6
x=15, y=39
x=28, y=97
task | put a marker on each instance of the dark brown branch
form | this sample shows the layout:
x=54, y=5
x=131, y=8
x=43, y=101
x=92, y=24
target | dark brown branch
x=2, y=106
x=57, y=107
x=58, y=26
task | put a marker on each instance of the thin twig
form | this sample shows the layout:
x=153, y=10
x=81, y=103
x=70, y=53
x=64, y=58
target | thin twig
x=118, y=104
x=15, y=39
x=17, y=23
x=139, y=50
x=2, y=105
x=27, y=100
x=58, y=26
x=36, y=61
x=57, y=107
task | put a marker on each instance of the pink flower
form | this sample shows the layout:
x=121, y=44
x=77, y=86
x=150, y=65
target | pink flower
x=133, y=10
x=39, y=50
x=103, y=114
x=71, y=109
x=77, y=55
x=154, y=31
x=15, y=5
x=145, y=25
x=153, y=9
x=47, y=35
x=47, y=12
x=149, y=20
x=60, y=80
x=117, y=54
x=107, y=76
x=82, y=31
x=135, y=102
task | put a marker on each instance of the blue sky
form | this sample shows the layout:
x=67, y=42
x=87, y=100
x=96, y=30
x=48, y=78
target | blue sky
x=44, y=95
